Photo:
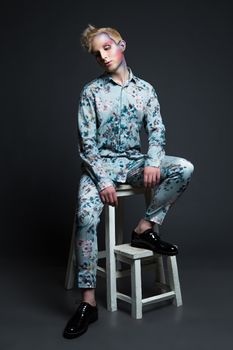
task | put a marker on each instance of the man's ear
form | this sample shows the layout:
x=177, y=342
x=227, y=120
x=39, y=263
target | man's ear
x=122, y=44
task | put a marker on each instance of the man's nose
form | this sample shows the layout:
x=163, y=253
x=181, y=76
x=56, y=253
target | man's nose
x=103, y=55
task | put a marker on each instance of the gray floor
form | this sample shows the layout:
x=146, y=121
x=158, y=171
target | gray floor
x=35, y=308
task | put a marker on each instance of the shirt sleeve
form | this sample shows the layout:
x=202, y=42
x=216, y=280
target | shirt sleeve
x=155, y=130
x=87, y=141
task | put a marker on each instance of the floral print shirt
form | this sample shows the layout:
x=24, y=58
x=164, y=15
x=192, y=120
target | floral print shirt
x=110, y=117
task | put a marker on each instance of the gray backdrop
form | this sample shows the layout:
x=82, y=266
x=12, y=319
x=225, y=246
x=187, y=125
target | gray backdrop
x=184, y=48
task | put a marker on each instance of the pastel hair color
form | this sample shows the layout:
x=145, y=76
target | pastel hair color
x=91, y=31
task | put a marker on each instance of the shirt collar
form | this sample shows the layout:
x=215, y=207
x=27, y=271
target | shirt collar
x=107, y=76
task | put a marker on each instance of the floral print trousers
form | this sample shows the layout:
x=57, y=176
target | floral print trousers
x=175, y=175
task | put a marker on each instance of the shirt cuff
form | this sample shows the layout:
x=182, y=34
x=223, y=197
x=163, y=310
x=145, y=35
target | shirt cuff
x=101, y=185
x=152, y=162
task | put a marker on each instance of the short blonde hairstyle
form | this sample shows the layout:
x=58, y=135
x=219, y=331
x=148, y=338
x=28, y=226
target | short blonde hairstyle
x=91, y=31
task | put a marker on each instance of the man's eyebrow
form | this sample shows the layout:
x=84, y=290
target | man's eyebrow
x=106, y=43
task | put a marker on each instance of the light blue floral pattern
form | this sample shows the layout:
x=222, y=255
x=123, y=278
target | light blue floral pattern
x=176, y=174
x=110, y=118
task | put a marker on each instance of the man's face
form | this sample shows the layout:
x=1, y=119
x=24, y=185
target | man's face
x=107, y=53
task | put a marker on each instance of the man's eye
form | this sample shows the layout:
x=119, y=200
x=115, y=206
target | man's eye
x=107, y=47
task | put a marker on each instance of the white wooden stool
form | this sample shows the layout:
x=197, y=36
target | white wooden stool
x=135, y=257
x=115, y=252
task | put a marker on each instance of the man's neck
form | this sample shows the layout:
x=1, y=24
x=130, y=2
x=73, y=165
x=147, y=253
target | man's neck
x=121, y=75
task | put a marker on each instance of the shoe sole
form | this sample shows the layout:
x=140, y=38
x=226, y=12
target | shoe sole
x=76, y=335
x=141, y=245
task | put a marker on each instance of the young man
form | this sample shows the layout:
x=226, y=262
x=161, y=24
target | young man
x=112, y=109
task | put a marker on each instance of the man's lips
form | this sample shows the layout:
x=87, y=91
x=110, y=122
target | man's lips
x=108, y=63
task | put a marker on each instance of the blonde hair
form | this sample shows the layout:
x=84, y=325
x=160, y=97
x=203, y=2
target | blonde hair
x=91, y=31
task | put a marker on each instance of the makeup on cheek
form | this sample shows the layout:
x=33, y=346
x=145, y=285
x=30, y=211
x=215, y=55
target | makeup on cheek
x=118, y=55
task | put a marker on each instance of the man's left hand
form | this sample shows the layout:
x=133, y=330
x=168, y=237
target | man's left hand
x=151, y=176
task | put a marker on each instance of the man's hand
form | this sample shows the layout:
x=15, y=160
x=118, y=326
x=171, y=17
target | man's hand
x=151, y=176
x=108, y=196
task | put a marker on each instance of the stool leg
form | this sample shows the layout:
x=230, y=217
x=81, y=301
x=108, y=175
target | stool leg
x=70, y=270
x=136, y=289
x=160, y=274
x=119, y=221
x=110, y=239
x=119, y=228
x=174, y=279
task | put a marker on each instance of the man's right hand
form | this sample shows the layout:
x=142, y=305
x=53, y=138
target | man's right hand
x=108, y=196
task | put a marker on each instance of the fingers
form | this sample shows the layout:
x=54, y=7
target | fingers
x=108, y=196
x=157, y=181
x=111, y=198
x=150, y=180
x=151, y=177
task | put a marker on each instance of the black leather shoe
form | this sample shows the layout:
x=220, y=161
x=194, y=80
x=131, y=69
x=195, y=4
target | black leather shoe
x=151, y=240
x=78, y=324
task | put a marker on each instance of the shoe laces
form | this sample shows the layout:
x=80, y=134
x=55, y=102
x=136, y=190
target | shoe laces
x=154, y=235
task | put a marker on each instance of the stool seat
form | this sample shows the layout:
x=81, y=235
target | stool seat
x=133, y=252
x=123, y=187
x=123, y=190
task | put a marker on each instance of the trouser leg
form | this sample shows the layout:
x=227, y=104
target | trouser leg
x=175, y=175
x=87, y=215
